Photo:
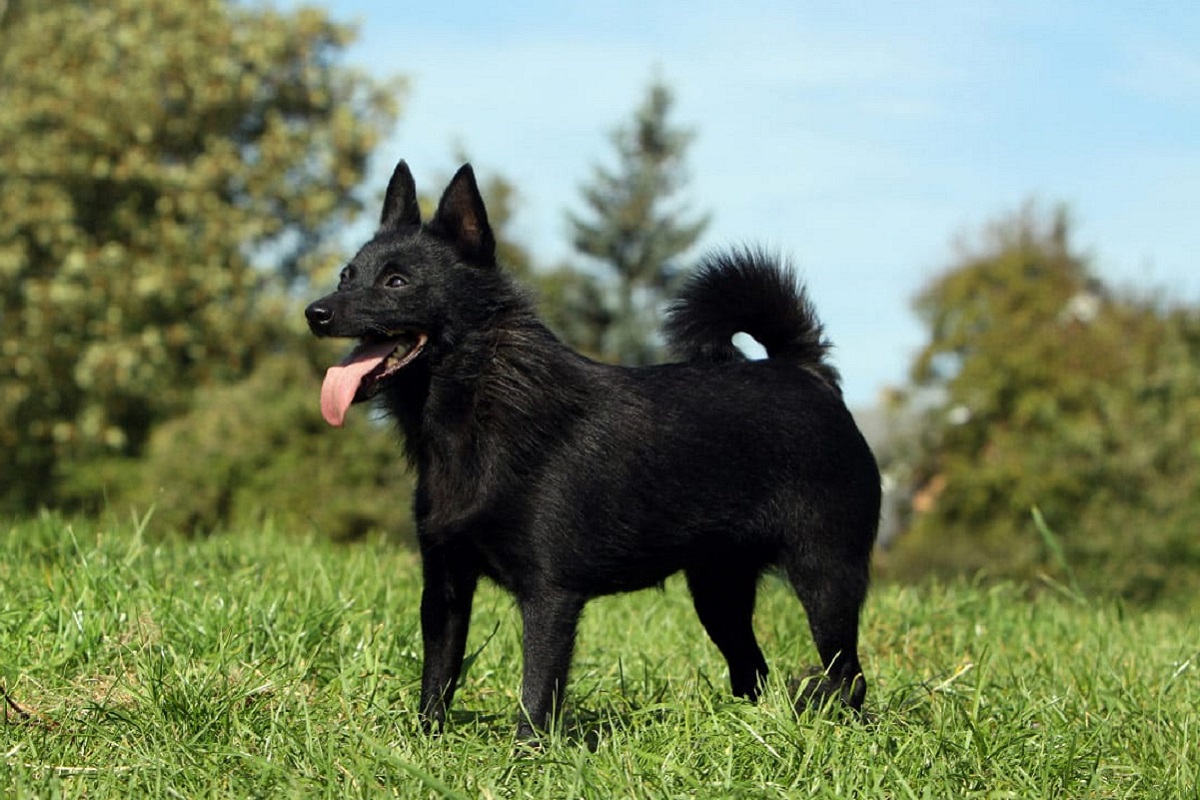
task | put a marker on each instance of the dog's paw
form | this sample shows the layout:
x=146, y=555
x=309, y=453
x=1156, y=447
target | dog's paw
x=813, y=691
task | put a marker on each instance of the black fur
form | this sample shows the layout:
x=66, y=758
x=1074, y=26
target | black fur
x=562, y=479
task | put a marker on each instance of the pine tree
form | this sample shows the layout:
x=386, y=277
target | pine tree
x=637, y=230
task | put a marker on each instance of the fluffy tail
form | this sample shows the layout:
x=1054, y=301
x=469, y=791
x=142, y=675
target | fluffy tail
x=747, y=291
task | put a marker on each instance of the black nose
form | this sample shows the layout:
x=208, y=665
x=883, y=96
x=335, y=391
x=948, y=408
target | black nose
x=319, y=317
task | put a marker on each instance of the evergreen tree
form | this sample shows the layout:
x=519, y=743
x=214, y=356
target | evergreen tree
x=169, y=168
x=637, y=231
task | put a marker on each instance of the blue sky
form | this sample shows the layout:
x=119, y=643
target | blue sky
x=861, y=139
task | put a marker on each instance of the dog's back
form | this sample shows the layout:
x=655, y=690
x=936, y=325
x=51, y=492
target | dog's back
x=716, y=460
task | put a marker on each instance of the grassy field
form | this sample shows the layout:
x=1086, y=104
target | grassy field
x=265, y=666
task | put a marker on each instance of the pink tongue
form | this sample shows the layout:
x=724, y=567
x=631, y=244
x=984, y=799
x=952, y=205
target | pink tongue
x=341, y=382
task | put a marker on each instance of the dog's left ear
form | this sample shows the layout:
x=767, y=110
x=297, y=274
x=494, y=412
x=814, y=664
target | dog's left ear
x=400, y=207
x=462, y=219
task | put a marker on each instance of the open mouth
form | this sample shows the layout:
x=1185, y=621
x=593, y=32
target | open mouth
x=360, y=376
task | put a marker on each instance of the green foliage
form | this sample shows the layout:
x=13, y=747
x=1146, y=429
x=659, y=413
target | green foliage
x=1054, y=392
x=262, y=665
x=580, y=307
x=637, y=234
x=259, y=448
x=158, y=156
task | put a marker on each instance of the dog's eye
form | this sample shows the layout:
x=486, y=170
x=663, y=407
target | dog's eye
x=396, y=282
x=345, y=277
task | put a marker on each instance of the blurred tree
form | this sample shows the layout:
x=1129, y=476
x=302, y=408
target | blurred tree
x=572, y=302
x=579, y=306
x=1052, y=391
x=257, y=449
x=634, y=233
x=168, y=170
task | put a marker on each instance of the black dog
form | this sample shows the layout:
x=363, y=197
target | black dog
x=563, y=479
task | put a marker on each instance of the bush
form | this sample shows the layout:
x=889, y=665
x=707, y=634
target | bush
x=1053, y=391
x=259, y=448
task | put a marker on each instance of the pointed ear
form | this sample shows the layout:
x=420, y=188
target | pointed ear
x=462, y=219
x=400, y=201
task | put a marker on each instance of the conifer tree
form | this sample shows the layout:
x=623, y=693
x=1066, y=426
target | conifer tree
x=636, y=229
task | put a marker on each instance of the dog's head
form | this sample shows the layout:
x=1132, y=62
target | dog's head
x=399, y=293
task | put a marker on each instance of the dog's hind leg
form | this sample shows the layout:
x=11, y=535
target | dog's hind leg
x=832, y=590
x=445, y=618
x=724, y=599
x=548, y=640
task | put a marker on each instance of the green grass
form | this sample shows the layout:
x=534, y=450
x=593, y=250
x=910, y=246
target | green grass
x=266, y=666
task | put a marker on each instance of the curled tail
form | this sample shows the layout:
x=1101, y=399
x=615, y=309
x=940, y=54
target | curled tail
x=747, y=291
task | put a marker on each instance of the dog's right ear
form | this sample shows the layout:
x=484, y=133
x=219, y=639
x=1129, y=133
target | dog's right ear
x=462, y=220
x=400, y=207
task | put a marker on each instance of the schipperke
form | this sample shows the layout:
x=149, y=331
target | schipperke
x=562, y=479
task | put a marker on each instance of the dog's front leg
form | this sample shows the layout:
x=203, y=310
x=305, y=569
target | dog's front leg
x=550, y=620
x=445, y=617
